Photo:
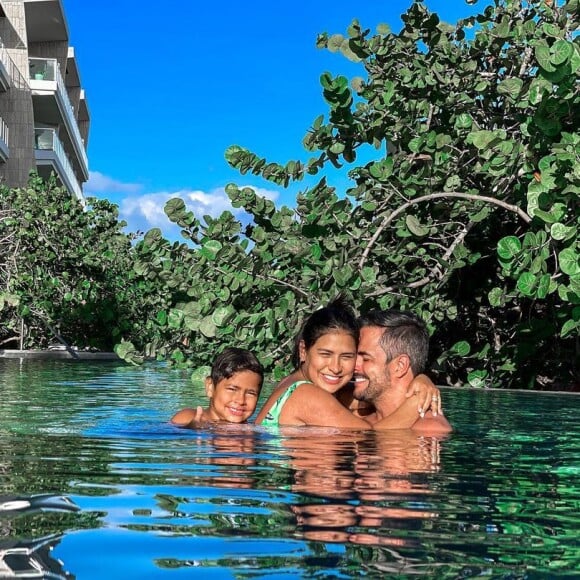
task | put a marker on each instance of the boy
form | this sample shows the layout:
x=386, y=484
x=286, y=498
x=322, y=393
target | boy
x=233, y=388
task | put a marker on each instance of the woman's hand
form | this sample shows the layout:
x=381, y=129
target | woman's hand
x=428, y=395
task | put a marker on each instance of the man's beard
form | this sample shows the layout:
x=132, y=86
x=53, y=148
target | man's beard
x=372, y=392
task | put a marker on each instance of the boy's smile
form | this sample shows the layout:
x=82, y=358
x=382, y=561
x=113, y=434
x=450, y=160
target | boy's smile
x=233, y=399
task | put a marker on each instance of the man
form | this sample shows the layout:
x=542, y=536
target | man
x=392, y=350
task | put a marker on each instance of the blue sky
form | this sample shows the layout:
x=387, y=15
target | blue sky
x=170, y=85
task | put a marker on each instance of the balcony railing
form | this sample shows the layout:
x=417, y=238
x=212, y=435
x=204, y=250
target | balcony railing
x=46, y=70
x=4, y=68
x=49, y=150
x=4, y=151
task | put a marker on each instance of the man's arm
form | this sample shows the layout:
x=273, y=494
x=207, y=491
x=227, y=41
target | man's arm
x=403, y=418
x=407, y=417
x=431, y=425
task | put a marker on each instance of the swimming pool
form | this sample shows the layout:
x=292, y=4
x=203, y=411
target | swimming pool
x=96, y=484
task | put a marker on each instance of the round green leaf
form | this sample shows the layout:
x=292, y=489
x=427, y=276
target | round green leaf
x=509, y=247
x=463, y=121
x=461, y=348
x=569, y=262
x=369, y=275
x=575, y=60
x=175, y=318
x=543, y=286
x=477, y=378
x=415, y=226
x=342, y=275
x=174, y=208
x=543, y=56
x=496, y=297
x=221, y=315
x=511, y=87
x=561, y=51
x=526, y=284
x=569, y=327
x=207, y=327
x=210, y=249
x=481, y=139
x=559, y=231
x=199, y=374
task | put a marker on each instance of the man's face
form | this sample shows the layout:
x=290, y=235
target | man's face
x=371, y=373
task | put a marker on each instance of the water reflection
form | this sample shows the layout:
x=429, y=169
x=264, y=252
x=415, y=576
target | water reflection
x=31, y=559
x=497, y=498
x=371, y=487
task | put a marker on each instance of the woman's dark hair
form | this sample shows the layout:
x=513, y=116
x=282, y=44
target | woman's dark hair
x=235, y=360
x=337, y=316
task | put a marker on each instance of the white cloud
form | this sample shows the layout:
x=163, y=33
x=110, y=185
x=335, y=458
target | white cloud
x=143, y=211
x=99, y=183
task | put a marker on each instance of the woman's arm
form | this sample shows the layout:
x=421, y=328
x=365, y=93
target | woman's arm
x=311, y=405
x=429, y=396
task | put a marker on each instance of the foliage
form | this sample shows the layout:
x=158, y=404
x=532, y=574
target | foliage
x=467, y=214
x=64, y=269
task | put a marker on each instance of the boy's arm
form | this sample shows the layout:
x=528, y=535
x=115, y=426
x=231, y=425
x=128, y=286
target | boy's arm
x=188, y=417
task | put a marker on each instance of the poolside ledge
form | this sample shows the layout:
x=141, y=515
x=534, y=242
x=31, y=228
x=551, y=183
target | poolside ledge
x=59, y=355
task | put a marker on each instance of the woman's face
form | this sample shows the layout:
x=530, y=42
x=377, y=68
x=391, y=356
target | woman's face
x=329, y=362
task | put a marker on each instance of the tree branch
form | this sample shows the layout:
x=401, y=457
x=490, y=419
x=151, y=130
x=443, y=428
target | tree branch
x=452, y=194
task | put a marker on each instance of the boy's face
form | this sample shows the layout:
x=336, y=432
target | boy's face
x=233, y=399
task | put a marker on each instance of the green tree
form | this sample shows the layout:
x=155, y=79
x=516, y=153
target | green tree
x=64, y=269
x=467, y=214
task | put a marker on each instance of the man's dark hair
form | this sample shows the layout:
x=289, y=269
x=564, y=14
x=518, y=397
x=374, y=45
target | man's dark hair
x=235, y=360
x=338, y=316
x=404, y=333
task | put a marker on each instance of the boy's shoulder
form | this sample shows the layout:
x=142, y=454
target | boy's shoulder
x=185, y=416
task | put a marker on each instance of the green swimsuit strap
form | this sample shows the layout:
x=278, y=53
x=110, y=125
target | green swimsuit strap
x=272, y=418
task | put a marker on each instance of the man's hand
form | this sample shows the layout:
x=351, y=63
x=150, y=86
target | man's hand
x=428, y=395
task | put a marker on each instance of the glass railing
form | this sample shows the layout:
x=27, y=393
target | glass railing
x=5, y=67
x=42, y=69
x=4, y=131
x=46, y=69
x=47, y=140
x=3, y=138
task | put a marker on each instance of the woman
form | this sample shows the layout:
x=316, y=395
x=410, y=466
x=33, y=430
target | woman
x=324, y=358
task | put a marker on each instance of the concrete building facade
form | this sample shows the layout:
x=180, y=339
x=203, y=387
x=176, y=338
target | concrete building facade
x=44, y=116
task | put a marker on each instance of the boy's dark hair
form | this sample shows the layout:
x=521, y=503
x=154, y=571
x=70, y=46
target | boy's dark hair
x=235, y=360
x=404, y=333
x=337, y=316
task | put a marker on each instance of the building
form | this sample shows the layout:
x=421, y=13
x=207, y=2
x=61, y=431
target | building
x=44, y=117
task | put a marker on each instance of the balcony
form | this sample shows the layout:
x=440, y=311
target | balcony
x=4, y=68
x=4, y=151
x=53, y=107
x=50, y=156
x=45, y=21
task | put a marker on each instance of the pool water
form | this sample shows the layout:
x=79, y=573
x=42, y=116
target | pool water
x=96, y=484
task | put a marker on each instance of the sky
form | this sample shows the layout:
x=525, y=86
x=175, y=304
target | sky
x=171, y=85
